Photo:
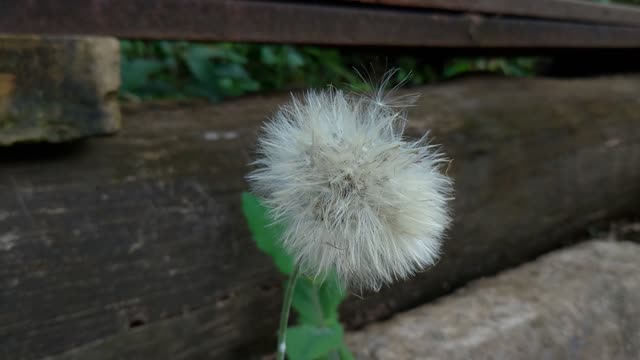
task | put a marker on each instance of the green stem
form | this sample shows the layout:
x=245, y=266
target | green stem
x=284, y=313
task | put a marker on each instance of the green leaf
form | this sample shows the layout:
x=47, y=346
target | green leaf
x=306, y=302
x=141, y=48
x=166, y=48
x=266, y=234
x=457, y=67
x=307, y=342
x=268, y=55
x=345, y=354
x=318, y=303
x=293, y=56
x=126, y=47
x=231, y=70
x=198, y=61
x=331, y=294
x=135, y=73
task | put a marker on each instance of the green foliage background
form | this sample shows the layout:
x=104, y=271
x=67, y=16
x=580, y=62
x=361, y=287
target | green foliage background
x=180, y=69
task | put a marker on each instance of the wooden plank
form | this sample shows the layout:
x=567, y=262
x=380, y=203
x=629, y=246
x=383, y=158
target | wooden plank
x=134, y=246
x=58, y=88
x=322, y=24
x=566, y=10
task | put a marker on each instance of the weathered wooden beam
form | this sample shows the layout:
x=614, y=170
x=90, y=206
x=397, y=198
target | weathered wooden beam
x=562, y=10
x=575, y=303
x=57, y=88
x=134, y=246
x=303, y=23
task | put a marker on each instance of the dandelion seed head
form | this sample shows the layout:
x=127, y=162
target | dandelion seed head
x=355, y=197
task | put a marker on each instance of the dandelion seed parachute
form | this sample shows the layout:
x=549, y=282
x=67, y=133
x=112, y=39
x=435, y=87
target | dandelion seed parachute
x=355, y=197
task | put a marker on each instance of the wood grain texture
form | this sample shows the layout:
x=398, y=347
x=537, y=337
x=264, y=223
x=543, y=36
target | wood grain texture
x=348, y=24
x=563, y=10
x=134, y=246
x=58, y=88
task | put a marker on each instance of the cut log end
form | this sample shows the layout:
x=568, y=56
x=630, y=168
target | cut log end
x=55, y=89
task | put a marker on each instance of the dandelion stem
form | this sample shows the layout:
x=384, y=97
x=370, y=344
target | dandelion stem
x=284, y=313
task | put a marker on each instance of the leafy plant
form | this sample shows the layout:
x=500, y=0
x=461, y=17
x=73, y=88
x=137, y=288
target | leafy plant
x=318, y=333
x=516, y=67
x=181, y=69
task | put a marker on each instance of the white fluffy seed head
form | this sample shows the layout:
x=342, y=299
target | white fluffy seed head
x=354, y=196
